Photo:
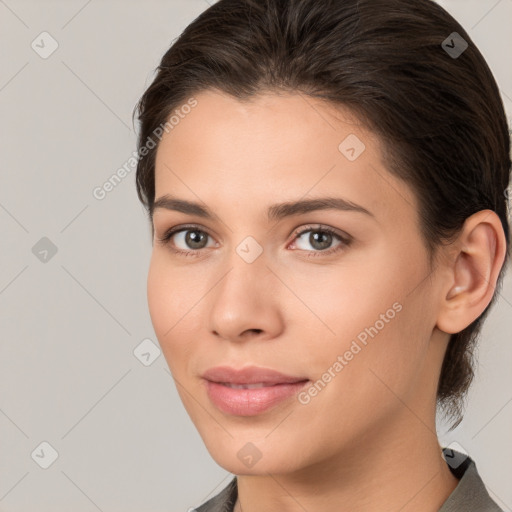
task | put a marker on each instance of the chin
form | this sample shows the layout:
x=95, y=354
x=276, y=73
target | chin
x=272, y=465
x=241, y=456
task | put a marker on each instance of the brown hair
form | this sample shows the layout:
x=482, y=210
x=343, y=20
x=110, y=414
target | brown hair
x=439, y=115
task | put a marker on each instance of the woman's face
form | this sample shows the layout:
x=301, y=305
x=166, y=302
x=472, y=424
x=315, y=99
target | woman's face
x=352, y=312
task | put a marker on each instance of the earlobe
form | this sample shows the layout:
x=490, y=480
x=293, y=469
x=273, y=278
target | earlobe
x=473, y=271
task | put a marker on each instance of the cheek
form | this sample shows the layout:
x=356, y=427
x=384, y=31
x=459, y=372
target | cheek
x=172, y=292
x=169, y=306
x=357, y=384
x=160, y=300
x=379, y=325
x=358, y=302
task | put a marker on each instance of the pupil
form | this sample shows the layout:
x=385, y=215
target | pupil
x=316, y=235
x=193, y=239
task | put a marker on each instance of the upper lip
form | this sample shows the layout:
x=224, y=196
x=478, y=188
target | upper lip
x=249, y=375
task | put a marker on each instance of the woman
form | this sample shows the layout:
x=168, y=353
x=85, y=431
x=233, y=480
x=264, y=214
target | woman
x=325, y=181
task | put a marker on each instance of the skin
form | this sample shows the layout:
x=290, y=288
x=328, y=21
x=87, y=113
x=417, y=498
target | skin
x=368, y=440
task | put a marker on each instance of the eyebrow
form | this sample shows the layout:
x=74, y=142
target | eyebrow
x=275, y=212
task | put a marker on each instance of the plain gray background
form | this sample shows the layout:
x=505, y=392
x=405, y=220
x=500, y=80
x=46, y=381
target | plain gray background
x=71, y=320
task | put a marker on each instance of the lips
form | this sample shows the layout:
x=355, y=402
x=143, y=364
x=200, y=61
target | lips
x=249, y=375
x=245, y=386
x=249, y=391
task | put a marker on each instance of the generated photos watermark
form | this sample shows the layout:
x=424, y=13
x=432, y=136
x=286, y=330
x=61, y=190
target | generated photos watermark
x=305, y=396
x=100, y=192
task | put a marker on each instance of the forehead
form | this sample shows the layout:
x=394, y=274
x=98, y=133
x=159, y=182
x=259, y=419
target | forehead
x=275, y=147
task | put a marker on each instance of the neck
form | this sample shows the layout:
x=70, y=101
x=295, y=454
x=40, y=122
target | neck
x=400, y=467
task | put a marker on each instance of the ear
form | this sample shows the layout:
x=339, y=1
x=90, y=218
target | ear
x=475, y=263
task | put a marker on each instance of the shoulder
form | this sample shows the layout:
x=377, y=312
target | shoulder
x=470, y=495
x=224, y=501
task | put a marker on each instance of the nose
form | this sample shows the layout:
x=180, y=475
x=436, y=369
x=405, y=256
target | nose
x=246, y=302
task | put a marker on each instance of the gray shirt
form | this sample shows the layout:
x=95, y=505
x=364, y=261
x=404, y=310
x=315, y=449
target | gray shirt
x=470, y=495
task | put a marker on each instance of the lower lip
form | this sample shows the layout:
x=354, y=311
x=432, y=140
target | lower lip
x=249, y=402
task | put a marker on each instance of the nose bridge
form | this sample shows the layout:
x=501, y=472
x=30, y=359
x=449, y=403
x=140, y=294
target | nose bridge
x=249, y=250
x=247, y=266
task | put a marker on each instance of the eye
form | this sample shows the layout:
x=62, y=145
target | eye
x=191, y=239
x=321, y=239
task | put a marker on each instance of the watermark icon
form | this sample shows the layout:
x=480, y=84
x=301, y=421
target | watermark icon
x=147, y=352
x=249, y=454
x=304, y=397
x=351, y=147
x=100, y=192
x=455, y=454
x=44, y=250
x=249, y=249
x=44, y=455
x=454, y=45
x=44, y=45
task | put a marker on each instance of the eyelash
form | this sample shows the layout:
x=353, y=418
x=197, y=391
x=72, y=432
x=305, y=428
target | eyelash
x=345, y=241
